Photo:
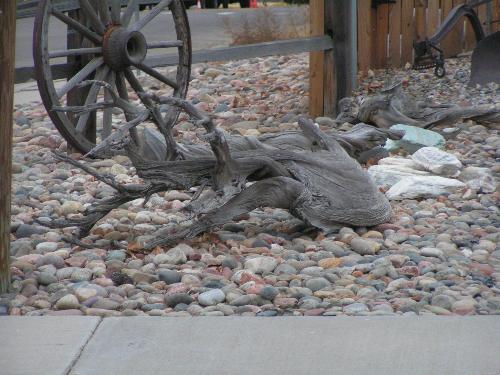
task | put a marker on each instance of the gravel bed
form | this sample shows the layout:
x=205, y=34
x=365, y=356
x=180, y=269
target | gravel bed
x=438, y=255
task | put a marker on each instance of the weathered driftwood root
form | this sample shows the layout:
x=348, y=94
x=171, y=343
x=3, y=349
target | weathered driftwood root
x=311, y=173
x=393, y=106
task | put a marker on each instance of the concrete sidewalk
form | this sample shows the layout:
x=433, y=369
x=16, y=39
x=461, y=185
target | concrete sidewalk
x=248, y=345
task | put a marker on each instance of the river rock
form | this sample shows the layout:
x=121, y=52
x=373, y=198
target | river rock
x=437, y=161
x=424, y=187
x=67, y=302
x=414, y=139
x=389, y=175
x=261, y=264
x=211, y=297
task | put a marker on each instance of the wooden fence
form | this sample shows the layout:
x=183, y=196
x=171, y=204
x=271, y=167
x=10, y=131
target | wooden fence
x=386, y=32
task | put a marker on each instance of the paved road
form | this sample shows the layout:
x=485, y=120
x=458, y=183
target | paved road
x=207, y=30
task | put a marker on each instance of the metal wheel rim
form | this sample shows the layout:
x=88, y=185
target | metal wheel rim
x=48, y=91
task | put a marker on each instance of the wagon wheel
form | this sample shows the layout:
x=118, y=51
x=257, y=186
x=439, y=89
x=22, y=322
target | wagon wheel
x=112, y=48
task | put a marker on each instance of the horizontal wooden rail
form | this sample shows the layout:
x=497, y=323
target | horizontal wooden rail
x=248, y=51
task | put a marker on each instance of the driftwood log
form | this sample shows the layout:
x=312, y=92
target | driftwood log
x=313, y=174
x=393, y=106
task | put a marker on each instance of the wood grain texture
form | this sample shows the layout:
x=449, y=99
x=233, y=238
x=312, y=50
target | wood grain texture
x=420, y=19
x=366, y=35
x=433, y=16
x=395, y=34
x=316, y=59
x=382, y=35
x=408, y=31
x=7, y=53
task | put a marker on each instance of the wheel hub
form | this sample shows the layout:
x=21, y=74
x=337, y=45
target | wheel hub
x=122, y=48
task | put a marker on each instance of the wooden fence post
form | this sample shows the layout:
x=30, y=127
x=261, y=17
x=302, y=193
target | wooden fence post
x=7, y=56
x=316, y=59
x=345, y=46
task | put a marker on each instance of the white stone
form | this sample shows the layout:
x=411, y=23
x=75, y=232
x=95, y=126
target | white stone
x=118, y=169
x=424, y=187
x=389, y=175
x=211, y=297
x=142, y=217
x=173, y=256
x=261, y=264
x=46, y=247
x=71, y=207
x=437, y=161
x=431, y=252
x=402, y=162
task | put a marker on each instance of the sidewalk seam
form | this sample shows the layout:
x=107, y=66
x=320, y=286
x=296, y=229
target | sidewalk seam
x=75, y=360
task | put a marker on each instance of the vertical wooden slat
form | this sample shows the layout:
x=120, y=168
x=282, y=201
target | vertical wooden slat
x=482, y=13
x=433, y=16
x=7, y=48
x=450, y=41
x=452, y=44
x=329, y=74
x=316, y=59
x=420, y=8
x=408, y=34
x=366, y=35
x=460, y=30
x=382, y=35
x=395, y=34
x=470, y=38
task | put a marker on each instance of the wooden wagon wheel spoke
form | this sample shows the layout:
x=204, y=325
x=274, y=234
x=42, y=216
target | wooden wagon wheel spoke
x=80, y=76
x=92, y=16
x=131, y=8
x=104, y=14
x=91, y=98
x=75, y=52
x=116, y=8
x=165, y=44
x=107, y=116
x=156, y=74
x=172, y=152
x=150, y=15
x=121, y=88
x=83, y=30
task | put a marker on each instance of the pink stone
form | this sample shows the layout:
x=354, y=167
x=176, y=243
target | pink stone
x=76, y=261
x=177, y=288
x=227, y=273
x=285, y=302
x=314, y=312
x=483, y=268
x=247, y=276
x=31, y=258
x=409, y=271
x=255, y=289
